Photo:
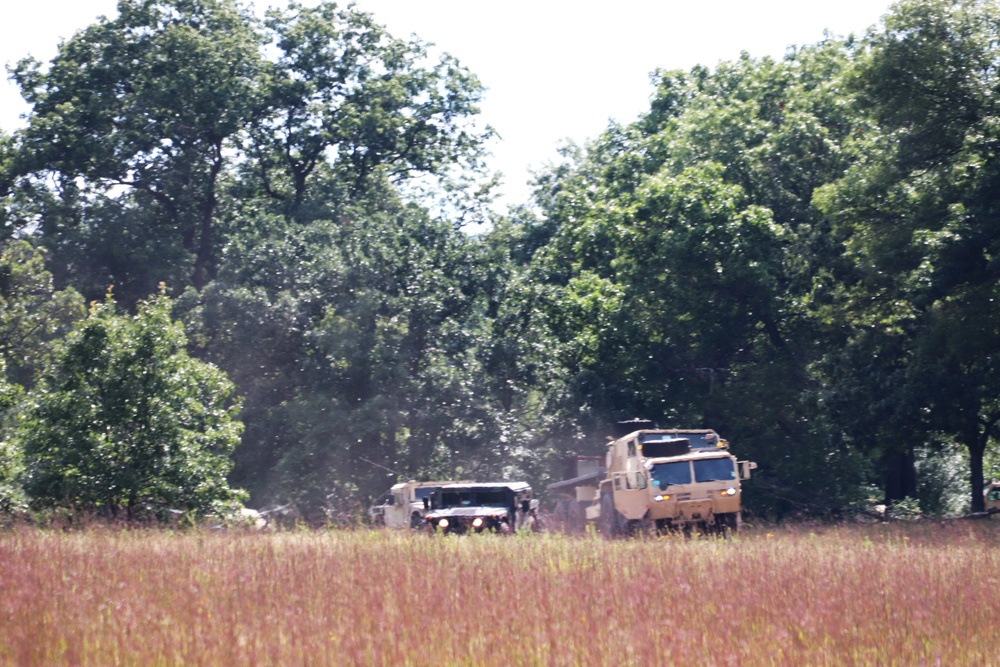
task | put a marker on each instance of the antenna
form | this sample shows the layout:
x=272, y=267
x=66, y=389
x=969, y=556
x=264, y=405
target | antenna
x=379, y=465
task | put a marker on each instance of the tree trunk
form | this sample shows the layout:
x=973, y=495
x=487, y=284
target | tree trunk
x=977, y=448
x=204, y=264
x=900, y=475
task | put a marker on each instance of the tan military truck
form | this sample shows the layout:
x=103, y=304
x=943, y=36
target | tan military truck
x=670, y=478
x=667, y=479
x=405, y=505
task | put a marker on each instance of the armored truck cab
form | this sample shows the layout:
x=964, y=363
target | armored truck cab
x=670, y=478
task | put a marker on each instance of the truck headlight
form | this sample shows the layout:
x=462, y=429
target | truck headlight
x=477, y=522
x=443, y=523
x=729, y=492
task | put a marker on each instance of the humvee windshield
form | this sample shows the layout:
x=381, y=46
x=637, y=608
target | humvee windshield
x=471, y=498
x=711, y=470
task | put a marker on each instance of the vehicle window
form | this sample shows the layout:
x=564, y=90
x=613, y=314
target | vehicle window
x=491, y=497
x=424, y=492
x=471, y=498
x=452, y=499
x=666, y=474
x=711, y=470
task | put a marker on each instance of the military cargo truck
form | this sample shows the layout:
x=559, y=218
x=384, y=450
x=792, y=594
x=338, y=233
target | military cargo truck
x=663, y=479
x=499, y=507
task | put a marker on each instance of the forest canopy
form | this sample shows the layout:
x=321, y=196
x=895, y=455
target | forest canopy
x=800, y=254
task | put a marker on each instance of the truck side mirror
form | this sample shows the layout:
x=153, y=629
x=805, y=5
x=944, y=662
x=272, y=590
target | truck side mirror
x=427, y=503
x=746, y=467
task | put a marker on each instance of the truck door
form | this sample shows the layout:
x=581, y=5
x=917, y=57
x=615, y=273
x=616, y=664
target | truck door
x=397, y=510
x=631, y=489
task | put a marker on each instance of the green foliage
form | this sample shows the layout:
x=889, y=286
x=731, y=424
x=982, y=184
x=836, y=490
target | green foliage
x=32, y=316
x=125, y=420
x=11, y=463
x=32, y=312
x=148, y=103
x=352, y=340
x=155, y=134
x=686, y=263
x=941, y=474
x=342, y=85
x=919, y=216
x=799, y=253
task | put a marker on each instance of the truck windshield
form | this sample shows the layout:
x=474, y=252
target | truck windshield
x=665, y=474
x=423, y=492
x=711, y=470
x=471, y=498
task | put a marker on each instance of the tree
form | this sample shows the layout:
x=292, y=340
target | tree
x=11, y=494
x=147, y=102
x=33, y=316
x=345, y=92
x=155, y=135
x=919, y=214
x=687, y=266
x=32, y=312
x=355, y=339
x=125, y=420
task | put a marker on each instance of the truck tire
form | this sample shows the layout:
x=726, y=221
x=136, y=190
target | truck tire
x=416, y=521
x=640, y=527
x=611, y=520
x=728, y=524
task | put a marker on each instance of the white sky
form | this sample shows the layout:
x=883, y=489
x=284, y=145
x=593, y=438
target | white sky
x=554, y=69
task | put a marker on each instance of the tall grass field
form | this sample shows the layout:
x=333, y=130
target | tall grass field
x=865, y=595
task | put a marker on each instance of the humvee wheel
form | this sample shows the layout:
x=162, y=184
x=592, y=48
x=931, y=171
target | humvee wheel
x=416, y=521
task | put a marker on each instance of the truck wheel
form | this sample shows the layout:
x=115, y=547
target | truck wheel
x=727, y=524
x=641, y=527
x=415, y=521
x=611, y=524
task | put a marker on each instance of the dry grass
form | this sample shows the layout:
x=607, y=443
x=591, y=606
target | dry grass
x=900, y=595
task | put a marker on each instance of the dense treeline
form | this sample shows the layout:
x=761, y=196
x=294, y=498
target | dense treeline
x=800, y=254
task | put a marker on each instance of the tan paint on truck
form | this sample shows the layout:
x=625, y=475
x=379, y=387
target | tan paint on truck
x=645, y=489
